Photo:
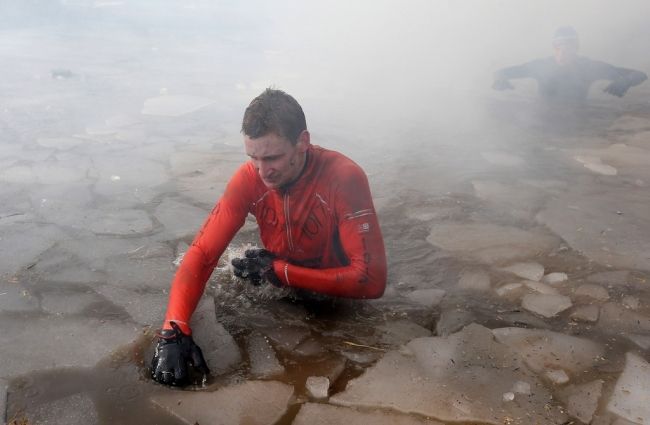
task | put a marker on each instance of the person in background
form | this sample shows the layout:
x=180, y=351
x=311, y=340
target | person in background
x=566, y=76
x=316, y=220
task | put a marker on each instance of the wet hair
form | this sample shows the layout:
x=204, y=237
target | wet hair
x=274, y=111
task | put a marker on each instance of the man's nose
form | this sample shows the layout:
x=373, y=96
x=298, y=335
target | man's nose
x=262, y=168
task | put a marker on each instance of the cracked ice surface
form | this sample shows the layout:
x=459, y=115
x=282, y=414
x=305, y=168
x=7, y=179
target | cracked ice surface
x=543, y=349
x=486, y=242
x=75, y=409
x=56, y=342
x=461, y=377
x=323, y=414
x=168, y=213
x=251, y=402
x=630, y=398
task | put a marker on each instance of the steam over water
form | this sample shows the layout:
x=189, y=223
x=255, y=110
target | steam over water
x=517, y=233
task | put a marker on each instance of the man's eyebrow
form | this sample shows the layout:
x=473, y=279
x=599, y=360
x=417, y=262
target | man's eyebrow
x=264, y=156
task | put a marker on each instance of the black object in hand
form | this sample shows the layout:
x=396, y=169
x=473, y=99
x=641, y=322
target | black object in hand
x=617, y=88
x=175, y=353
x=256, y=266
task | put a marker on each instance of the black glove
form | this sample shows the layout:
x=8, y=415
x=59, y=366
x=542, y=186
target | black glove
x=617, y=88
x=256, y=266
x=502, y=84
x=174, y=353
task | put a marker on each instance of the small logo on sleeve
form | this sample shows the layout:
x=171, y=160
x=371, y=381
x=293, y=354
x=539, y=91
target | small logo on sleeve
x=363, y=228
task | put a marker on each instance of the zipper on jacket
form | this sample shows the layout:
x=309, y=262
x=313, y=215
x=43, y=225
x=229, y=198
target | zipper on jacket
x=287, y=220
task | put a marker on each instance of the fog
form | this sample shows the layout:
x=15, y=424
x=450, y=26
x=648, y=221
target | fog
x=511, y=226
x=366, y=62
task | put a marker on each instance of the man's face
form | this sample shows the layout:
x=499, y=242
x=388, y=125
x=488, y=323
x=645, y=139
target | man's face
x=565, y=51
x=276, y=159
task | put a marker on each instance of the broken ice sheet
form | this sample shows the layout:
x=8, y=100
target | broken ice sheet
x=543, y=349
x=250, y=402
x=461, y=377
x=632, y=391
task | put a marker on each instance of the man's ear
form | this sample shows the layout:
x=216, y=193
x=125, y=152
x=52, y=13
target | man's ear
x=303, y=141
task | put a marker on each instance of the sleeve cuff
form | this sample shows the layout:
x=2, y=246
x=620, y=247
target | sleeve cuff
x=185, y=328
x=281, y=270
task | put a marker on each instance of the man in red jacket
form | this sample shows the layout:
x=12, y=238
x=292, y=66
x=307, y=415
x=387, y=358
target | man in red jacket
x=316, y=219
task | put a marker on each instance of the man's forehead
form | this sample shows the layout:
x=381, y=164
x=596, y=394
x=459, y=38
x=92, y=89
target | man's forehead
x=268, y=144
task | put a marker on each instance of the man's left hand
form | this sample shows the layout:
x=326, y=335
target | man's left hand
x=256, y=266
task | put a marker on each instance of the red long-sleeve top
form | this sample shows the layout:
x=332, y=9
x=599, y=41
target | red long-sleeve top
x=323, y=230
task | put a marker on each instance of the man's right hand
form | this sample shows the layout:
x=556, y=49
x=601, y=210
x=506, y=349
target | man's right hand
x=502, y=84
x=175, y=353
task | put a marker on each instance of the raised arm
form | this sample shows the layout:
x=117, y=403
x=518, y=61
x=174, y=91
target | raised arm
x=226, y=218
x=622, y=79
x=361, y=241
x=503, y=76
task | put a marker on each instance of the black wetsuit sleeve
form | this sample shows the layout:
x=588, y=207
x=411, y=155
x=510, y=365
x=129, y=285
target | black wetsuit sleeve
x=605, y=71
x=512, y=72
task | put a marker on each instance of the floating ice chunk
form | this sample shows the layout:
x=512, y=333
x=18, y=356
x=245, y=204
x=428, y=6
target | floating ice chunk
x=474, y=280
x=458, y=378
x=145, y=310
x=632, y=391
x=615, y=318
x=180, y=219
x=488, y=243
x=521, y=387
x=309, y=347
x=401, y=331
x=453, y=320
x=325, y=414
x=557, y=376
x=22, y=243
x=546, y=305
x=75, y=409
x=318, y=387
x=263, y=361
x=540, y=287
x=174, y=106
x=285, y=337
x=589, y=290
x=543, y=349
x=530, y=271
x=66, y=301
x=631, y=302
x=642, y=341
x=613, y=278
x=53, y=342
x=220, y=350
x=251, y=402
x=123, y=222
x=582, y=400
x=585, y=313
x=508, y=289
x=553, y=278
x=427, y=297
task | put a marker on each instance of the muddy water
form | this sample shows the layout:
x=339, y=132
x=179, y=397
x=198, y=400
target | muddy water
x=499, y=161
